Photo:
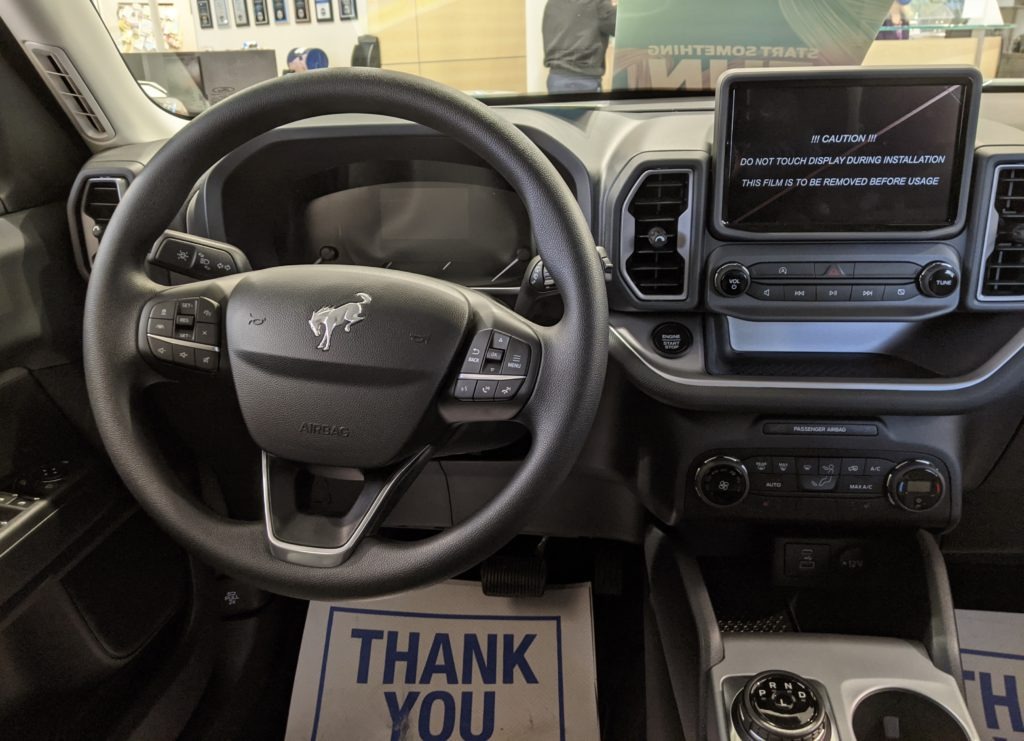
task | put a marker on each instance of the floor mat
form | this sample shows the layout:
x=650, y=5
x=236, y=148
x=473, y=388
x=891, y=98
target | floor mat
x=447, y=662
x=992, y=654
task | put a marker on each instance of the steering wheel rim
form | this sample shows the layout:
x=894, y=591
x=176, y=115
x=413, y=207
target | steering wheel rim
x=559, y=413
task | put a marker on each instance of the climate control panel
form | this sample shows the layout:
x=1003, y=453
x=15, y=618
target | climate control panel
x=823, y=485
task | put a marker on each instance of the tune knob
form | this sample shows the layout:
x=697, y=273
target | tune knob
x=723, y=481
x=732, y=279
x=938, y=280
x=779, y=706
x=916, y=486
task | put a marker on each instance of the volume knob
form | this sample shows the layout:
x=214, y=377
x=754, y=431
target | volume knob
x=732, y=279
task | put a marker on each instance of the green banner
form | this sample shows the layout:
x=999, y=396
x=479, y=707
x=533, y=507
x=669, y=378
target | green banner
x=688, y=44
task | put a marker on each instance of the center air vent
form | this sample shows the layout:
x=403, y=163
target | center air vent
x=100, y=196
x=655, y=239
x=1003, y=278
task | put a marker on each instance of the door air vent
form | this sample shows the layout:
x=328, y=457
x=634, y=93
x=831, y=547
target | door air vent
x=655, y=240
x=65, y=82
x=1003, y=276
x=100, y=196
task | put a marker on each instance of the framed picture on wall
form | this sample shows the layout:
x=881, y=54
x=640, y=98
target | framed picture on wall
x=324, y=10
x=347, y=10
x=241, y=8
x=280, y=11
x=302, y=11
x=220, y=13
x=204, y=13
x=260, y=16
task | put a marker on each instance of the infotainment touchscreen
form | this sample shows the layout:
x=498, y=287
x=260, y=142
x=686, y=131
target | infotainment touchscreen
x=848, y=154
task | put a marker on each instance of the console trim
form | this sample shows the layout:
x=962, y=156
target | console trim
x=981, y=374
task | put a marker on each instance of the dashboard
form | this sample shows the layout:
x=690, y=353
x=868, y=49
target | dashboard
x=818, y=268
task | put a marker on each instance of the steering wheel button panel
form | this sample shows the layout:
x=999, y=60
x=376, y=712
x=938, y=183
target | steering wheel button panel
x=173, y=334
x=494, y=369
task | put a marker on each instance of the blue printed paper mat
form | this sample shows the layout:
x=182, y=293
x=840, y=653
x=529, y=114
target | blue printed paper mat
x=992, y=654
x=447, y=662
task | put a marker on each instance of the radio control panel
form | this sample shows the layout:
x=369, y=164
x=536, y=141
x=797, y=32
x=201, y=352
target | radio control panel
x=820, y=282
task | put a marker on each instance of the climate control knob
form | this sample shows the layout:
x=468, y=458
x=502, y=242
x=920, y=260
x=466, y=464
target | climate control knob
x=916, y=486
x=938, y=280
x=732, y=279
x=722, y=481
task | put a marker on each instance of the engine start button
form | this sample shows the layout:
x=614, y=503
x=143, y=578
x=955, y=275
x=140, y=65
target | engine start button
x=671, y=339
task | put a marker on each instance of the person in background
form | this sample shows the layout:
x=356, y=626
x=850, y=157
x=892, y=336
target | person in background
x=897, y=22
x=576, y=34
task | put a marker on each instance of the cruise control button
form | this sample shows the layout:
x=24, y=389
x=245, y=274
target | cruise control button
x=474, y=361
x=184, y=320
x=517, y=358
x=818, y=483
x=769, y=483
x=833, y=293
x=162, y=349
x=185, y=356
x=485, y=390
x=506, y=390
x=799, y=293
x=207, y=310
x=763, y=292
x=160, y=327
x=187, y=306
x=782, y=270
x=464, y=389
x=184, y=334
x=207, y=334
x=867, y=293
x=207, y=359
x=900, y=293
x=164, y=310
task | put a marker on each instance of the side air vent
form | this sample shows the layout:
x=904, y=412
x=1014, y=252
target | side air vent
x=1003, y=276
x=655, y=240
x=65, y=82
x=100, y=196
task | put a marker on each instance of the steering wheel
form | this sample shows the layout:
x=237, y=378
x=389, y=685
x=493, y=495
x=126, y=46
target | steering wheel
x=353, y=374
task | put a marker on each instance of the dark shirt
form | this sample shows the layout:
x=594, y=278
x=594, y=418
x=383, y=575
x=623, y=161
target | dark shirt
x=576, y=34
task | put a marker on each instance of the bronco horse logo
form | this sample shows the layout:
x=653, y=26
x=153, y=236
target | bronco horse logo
x=327, y=318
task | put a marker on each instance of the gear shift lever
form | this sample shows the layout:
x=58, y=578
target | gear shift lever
x=779, y=706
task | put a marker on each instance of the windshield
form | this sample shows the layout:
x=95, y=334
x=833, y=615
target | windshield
x=189, y=54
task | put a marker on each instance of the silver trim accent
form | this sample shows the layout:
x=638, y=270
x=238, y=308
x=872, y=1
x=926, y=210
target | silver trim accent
x=488, y=377
x=981, y=374
x=507, y=290
x=989, y=241
x=184, y=343
x=307, y=555
x=684, y=235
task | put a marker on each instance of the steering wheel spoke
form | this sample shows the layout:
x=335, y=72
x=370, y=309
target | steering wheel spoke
x=318, y=515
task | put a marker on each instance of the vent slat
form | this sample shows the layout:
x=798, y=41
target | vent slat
x=1004, y=269
x=71, y=91
x=655, y=267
